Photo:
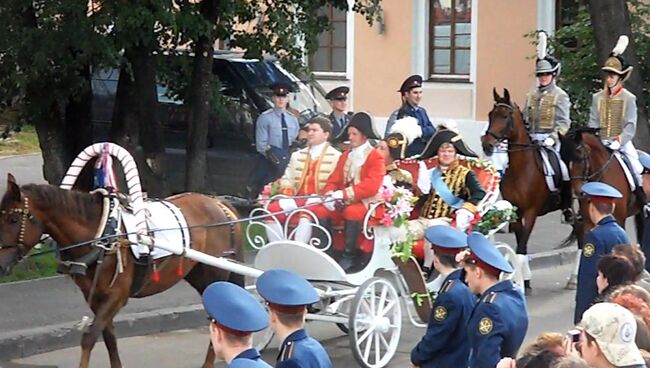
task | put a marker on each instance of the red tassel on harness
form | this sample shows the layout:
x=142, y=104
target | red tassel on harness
x=179, y=272
x=156, y=275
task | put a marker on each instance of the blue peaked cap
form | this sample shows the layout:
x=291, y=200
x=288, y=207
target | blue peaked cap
x=484, y=250
x=247, y=363
x=598, y=189
x=233, y=307
x=286, y=288
x=445, y=236
x=645, y=160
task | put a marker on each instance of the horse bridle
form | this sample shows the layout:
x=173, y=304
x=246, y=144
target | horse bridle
x=595, y=176
x=510, y=123
x=25, y=215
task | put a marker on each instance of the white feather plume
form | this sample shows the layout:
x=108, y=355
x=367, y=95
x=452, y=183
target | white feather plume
x=449, y=124
x=621, y=45
x=407, y=126
x=541, y=44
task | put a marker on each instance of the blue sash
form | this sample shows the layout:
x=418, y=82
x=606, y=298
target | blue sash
x=443, y=190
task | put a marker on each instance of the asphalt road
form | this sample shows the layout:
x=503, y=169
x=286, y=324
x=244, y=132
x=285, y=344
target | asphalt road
x=550, y=309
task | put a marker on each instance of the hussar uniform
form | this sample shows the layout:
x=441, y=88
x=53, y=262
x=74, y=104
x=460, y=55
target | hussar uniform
x=614, y=111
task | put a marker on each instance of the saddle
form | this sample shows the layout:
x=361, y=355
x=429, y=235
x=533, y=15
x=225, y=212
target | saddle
x=552, y=167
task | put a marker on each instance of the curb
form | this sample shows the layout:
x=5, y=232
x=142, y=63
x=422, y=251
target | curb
x=553, y=258
x=24, y=343
x=28, y=342
x=23, y=155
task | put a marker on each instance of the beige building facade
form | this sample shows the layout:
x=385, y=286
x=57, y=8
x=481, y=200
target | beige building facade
x=462, y=48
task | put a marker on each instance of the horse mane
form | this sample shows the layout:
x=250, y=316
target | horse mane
x=574, y=138
x=74, y=203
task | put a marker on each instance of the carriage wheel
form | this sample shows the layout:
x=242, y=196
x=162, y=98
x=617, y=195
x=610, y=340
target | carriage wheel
x=375, y=323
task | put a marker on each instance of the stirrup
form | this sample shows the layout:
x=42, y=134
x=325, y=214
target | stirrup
x=568, y=216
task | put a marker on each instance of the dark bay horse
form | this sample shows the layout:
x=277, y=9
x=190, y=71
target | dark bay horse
x=72, y=217
x=592, y=161
x=524, y=183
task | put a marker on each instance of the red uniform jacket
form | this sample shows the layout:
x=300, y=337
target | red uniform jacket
x=361, y=185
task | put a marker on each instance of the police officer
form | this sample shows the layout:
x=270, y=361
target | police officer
x=234, y=316
x=288, y=296
x=499, y=321
x=445, y=343
x=411, y=91
x=598, y=241
x=340, y=116
x=275, y=130
x=547, y=116
x=645, y=242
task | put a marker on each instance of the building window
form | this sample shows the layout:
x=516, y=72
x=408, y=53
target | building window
x=450, y=38
x=330, y=57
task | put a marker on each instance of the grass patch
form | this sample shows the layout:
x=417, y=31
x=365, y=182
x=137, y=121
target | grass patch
x=33, y=268
x=23, y=142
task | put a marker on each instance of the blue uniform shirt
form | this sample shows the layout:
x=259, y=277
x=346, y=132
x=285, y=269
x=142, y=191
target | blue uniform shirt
x=445, y=343
x=598, y=241
x=250, y=354
x=417, y=146
x=497, y=326
x=304, y=350
x=268, y=129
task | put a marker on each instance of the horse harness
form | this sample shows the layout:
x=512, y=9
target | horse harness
x=509, y=126
x=25, y=214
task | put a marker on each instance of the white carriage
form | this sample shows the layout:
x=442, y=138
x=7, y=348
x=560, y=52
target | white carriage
x=367, y=305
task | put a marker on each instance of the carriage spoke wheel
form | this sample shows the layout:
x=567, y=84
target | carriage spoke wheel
x=375, y=323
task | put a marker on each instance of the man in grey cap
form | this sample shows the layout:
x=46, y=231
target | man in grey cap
x=547, y=116
x=607, y=338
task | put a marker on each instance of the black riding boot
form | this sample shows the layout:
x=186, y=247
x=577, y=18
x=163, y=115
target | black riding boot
x=352, y=229
x=566, y=202
x=327, y=225
x=640, y=196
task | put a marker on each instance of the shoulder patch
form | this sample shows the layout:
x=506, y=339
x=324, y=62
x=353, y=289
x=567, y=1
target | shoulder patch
x=447, y=285
x=588, y=250
x=440, y=313
x=485, y=325
x=491, y=298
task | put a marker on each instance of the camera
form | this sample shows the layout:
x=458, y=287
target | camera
x=574, y=335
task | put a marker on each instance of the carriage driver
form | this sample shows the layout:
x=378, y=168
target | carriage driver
x=613, y=109
x=445, y=343
x=288, y=295
x=499, y=321
x=547, y=115
x=307, y=173
x=450, y=189
x=356, y=181
x=234, y=316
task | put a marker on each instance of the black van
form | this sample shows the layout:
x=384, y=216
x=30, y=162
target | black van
x=245, y=94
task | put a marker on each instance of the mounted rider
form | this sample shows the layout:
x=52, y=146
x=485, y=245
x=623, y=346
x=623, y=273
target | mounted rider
x=613, y=110
x=306, y=174
x=356, y=181
x=547, y=116
x=449, y=189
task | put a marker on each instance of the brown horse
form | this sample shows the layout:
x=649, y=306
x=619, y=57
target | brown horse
x=73, y=217
x=592, y=161
x=524, y=183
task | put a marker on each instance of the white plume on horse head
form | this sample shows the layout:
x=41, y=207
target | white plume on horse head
x=449, y=124
x=621, y=45
x=407, y=126
x=541, y=44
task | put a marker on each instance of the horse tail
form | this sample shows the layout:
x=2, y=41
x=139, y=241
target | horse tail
x=573, y=236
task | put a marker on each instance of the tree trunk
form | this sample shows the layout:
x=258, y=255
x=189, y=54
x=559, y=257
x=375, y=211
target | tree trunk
x=50, y=129
x=135, y=119
x=199, y=102
x=611, y=19
x=79, y=129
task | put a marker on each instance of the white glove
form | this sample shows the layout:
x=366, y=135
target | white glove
x=424, y=178
x=313, y=200
x=615, y=145
x=337, y=195
x=287, y=204
x=549, y=142
x=463, y=218
x=330, y=203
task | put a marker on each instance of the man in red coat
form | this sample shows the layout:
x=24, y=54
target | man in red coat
x=355, y=182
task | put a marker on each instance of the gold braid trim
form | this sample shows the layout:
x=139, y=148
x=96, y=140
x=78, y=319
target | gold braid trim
x=435, y=206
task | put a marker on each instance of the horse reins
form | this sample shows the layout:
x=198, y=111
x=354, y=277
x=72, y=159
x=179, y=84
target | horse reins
x=595, y=176
x=509, y=125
